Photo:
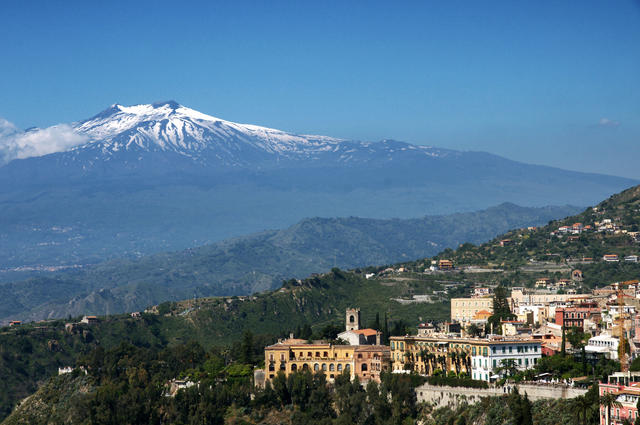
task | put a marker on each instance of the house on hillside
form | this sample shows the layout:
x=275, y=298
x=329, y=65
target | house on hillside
x=90, y=320
x=445, y=265
x=610, y=258
x=543, y=282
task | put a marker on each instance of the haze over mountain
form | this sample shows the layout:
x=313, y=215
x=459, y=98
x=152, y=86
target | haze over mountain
x=140, y=179
x=258, y=262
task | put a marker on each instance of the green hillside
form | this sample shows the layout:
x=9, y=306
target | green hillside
x=256, y=263
x=32, y=353
x=526, y=254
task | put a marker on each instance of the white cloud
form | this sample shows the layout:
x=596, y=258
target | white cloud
x=606, y=122
x=16, y=144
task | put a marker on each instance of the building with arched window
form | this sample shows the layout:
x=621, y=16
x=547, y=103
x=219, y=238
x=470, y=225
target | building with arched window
x=293, y=355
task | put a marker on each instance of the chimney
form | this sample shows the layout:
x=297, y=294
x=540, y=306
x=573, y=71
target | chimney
x=291, y=335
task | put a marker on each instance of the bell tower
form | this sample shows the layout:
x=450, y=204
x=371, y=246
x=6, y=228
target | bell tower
x=353, y=319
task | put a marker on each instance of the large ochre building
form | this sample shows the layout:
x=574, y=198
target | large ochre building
x=293, y=355
x=364, y=357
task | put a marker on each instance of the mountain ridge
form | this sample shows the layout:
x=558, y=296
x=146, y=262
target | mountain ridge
x=258, y=262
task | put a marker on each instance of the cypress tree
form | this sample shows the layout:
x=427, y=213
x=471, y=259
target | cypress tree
x=385, y=331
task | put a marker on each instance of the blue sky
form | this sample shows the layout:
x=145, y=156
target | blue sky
x=547, y=82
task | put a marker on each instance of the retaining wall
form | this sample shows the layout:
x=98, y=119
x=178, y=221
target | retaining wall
x=452, y=396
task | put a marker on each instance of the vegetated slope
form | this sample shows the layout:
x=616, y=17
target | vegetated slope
x=162, y=177
x=258, y=262
x=58, y=401
x=31, y=353
x=614, y=225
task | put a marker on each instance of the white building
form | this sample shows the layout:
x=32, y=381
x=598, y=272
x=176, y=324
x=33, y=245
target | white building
x=486, y=360
x=603, y=344
x=361, y=337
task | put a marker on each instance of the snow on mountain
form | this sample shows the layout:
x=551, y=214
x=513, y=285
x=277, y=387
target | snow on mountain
x=128, y=133
x=171, y=127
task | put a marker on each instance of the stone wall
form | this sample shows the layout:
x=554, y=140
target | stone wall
x=452, y=396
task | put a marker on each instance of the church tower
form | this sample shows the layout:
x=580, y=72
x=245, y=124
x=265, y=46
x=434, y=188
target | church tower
x=353, y=319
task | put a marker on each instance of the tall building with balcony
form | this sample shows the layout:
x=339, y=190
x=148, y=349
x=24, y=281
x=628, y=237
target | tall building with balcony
x=626, y=387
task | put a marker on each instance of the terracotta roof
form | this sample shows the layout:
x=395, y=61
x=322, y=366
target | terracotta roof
x=366, y=332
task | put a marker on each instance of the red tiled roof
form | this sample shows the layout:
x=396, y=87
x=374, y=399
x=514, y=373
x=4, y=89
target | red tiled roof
x=366, y=332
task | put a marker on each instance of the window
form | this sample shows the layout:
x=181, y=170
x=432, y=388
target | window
x=484, y=351
x=494, y=363
x=510, y=349
x=271, y=357
x=364, y=367
x=393, y=345
x=520, y=361
x=294, y=367
x=402, y=345
x=281, y=357
x=493, y=350
x=473, y=351
x=317, y=353
x=316, y=367
x=271, y=367
x=339, y=368
x=324, y=367
x=359, y=356
x=326, y=354
x=332, y=367
x=504, y=349
x=309, y=354
x=526, y=362
x=347, y=367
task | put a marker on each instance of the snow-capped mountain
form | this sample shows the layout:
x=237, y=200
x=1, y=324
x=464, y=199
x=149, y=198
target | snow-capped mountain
x=172, y=128
x=157, y=177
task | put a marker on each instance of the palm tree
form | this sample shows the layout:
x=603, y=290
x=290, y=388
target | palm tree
x=609, y=401
x=474, y=330
x=431, y=358
x=508, y=366
x=464, y=358
x=454, y=360
x=580, y=406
